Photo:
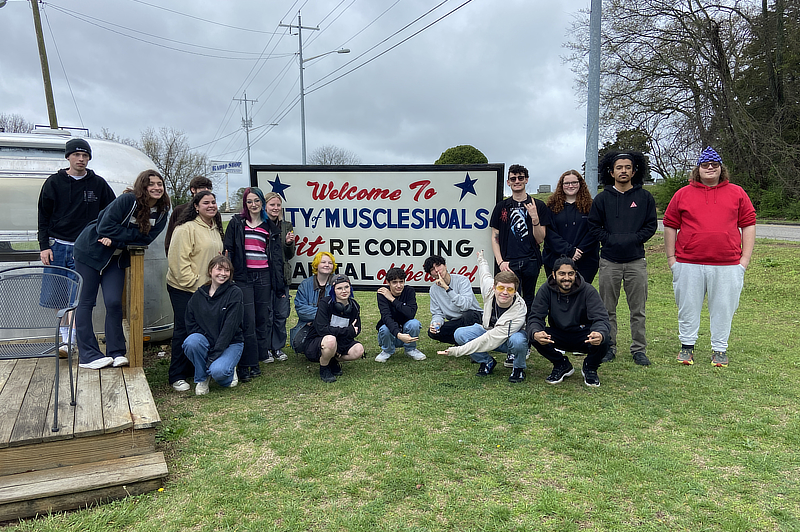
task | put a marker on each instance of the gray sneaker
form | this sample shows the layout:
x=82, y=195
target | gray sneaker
x=416, y=354
x=719, y=359
x=280, y=356
x=686, y=356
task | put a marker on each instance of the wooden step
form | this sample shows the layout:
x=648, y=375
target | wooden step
x=67, y=488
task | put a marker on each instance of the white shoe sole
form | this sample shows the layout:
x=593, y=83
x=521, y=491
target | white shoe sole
x=121, y=361
x=100, y=363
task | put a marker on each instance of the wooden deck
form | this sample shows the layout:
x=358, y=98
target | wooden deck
x=104, y=449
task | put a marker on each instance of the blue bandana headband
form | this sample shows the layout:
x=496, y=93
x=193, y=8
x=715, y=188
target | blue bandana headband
x=709, y=156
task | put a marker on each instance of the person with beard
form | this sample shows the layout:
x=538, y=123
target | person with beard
x=578, y=322
x=623, y=218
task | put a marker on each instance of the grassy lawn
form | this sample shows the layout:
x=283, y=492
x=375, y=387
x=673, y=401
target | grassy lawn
x=416, y=446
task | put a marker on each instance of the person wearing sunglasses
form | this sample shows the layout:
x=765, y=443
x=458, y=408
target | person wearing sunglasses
x=623, y=218
x=578, y=322
x=709, y=233
x=502, y=328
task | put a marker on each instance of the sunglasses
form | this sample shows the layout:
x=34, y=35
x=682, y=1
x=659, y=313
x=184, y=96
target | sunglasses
x=517, y=178
x=509, y=289
x=706, y=166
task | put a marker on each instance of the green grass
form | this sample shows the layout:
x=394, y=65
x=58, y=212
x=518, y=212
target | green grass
x=413, y=446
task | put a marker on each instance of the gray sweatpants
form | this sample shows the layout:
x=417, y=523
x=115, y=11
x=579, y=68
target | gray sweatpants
x=691, y=283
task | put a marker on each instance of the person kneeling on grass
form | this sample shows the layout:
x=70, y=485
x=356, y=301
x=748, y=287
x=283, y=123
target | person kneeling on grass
x=578, y=322
x=214, y=323
x=397, y=326
x=336, y=325
x=504, y=314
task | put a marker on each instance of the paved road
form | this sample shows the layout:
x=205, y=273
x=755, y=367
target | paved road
x=778, y=232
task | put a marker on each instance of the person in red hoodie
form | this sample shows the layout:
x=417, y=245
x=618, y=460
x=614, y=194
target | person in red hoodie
x=709, y=233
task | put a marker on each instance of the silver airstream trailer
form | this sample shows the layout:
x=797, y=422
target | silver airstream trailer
x=26, y=160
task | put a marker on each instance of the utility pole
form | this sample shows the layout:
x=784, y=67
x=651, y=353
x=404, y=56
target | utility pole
x=300, y=29
x=247, y=123
x=593, y=98
x=48, y=88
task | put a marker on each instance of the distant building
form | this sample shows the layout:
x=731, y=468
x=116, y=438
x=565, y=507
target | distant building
x=544, y=189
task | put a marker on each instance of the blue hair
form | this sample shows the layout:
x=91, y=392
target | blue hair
x=245, y=211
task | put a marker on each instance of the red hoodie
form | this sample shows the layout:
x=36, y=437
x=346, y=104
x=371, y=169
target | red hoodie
x=708, y=220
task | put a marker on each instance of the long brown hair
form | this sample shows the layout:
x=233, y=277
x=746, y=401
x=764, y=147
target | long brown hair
x=139, y=191
x=190, y=213
x=583, y=201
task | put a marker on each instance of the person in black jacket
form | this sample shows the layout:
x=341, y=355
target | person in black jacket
x=578, y=321
x=397, y=326
x=623, y=218
x=101, y=256
x=214, y=322
x=336, y=325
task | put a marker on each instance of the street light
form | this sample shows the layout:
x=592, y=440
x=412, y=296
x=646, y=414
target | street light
x=303, y=92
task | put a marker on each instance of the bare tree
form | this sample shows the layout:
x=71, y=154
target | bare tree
x=330, y=154
x=169, y=149
x=14, y=123
x=107, y=134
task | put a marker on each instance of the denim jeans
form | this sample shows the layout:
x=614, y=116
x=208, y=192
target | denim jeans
x=221, y=370
x=389, y=343
x=517, y=344
x=52, y=295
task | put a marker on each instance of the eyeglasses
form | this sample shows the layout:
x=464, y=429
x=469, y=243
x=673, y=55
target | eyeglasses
x=254, y=202
x=509, y=289
x=706, y=166
x=571, y=184
x=517, y=178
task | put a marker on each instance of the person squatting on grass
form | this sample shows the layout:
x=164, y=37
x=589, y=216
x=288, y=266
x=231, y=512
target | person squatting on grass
x=214, y=323
x=101, y=256
x=623, y=218
x=709, y=234
x=453, y=303
x=310, y=291
x=397, y=326
x=578, y=322
x=336, y=325
x=504, y=313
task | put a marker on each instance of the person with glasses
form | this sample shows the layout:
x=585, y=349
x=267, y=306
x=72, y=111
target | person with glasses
x=578, y=322
x=709, y=233
x=568, y=233
x=623, y=218
x=336, y=325
x=502, y=328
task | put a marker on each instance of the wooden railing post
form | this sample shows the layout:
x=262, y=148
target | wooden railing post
x=135, y=312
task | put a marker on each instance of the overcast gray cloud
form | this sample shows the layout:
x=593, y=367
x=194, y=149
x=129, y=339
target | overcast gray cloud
x=490, y=75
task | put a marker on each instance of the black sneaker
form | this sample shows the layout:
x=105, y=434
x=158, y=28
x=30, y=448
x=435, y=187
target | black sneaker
x=590, y=377
x=509, y=363
x=517, y=375
x=255, y=372
x=610, y=355
x=336, y=368
x=559, y=373
x=487, y=368
x=326, y=374
x=641, y=359
x=244, y=374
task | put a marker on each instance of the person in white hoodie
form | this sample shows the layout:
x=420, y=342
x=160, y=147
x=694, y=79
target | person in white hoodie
x=504, y=314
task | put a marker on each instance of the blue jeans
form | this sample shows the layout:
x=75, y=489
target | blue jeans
x=221, y=370
x=52, y=295
x=517, y=344
x=389, y=343
x=112, y=280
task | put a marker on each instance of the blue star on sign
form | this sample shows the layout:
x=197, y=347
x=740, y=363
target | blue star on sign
x=467, y=187
x=278, y=187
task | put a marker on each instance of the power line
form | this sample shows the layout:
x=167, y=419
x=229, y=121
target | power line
x=214, y=22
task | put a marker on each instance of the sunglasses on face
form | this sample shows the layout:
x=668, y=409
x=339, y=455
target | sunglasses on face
x=706, y=166
x=509, y=289
x=513, y=178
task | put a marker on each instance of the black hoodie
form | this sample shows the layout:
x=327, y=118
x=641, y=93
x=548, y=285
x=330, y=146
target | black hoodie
x=217, y=317
x=623, y=222
x=68, y=205
x=579, y=311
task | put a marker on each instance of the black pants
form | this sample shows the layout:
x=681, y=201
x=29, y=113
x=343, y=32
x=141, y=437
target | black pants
x=448, y=328
x=180, y=367
x=528, y=272
x=573, y=342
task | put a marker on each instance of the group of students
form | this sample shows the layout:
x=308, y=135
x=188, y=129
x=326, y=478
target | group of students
x=230, y=289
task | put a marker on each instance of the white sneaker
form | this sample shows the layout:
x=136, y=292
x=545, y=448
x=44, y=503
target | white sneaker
x=235, y=380
x=97, y=364
x=120, y=361
x=280, y=356
x=416, y=354
x=181, y=386
x=202, y=387
x=383, y=357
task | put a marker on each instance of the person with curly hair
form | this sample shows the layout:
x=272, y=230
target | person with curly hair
x=568, y=233
x=623, y=218
x=136, y=218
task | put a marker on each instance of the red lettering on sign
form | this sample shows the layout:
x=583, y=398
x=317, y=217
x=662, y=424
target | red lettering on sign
x=423, y=186
x=348, y=192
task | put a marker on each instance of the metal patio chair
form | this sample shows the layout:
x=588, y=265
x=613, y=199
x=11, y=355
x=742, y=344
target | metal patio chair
x=35, y=301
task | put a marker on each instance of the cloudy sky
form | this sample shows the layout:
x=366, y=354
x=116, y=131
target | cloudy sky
x=488, y=73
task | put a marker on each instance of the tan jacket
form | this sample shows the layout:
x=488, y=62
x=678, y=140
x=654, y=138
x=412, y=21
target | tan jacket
x=193, y=246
